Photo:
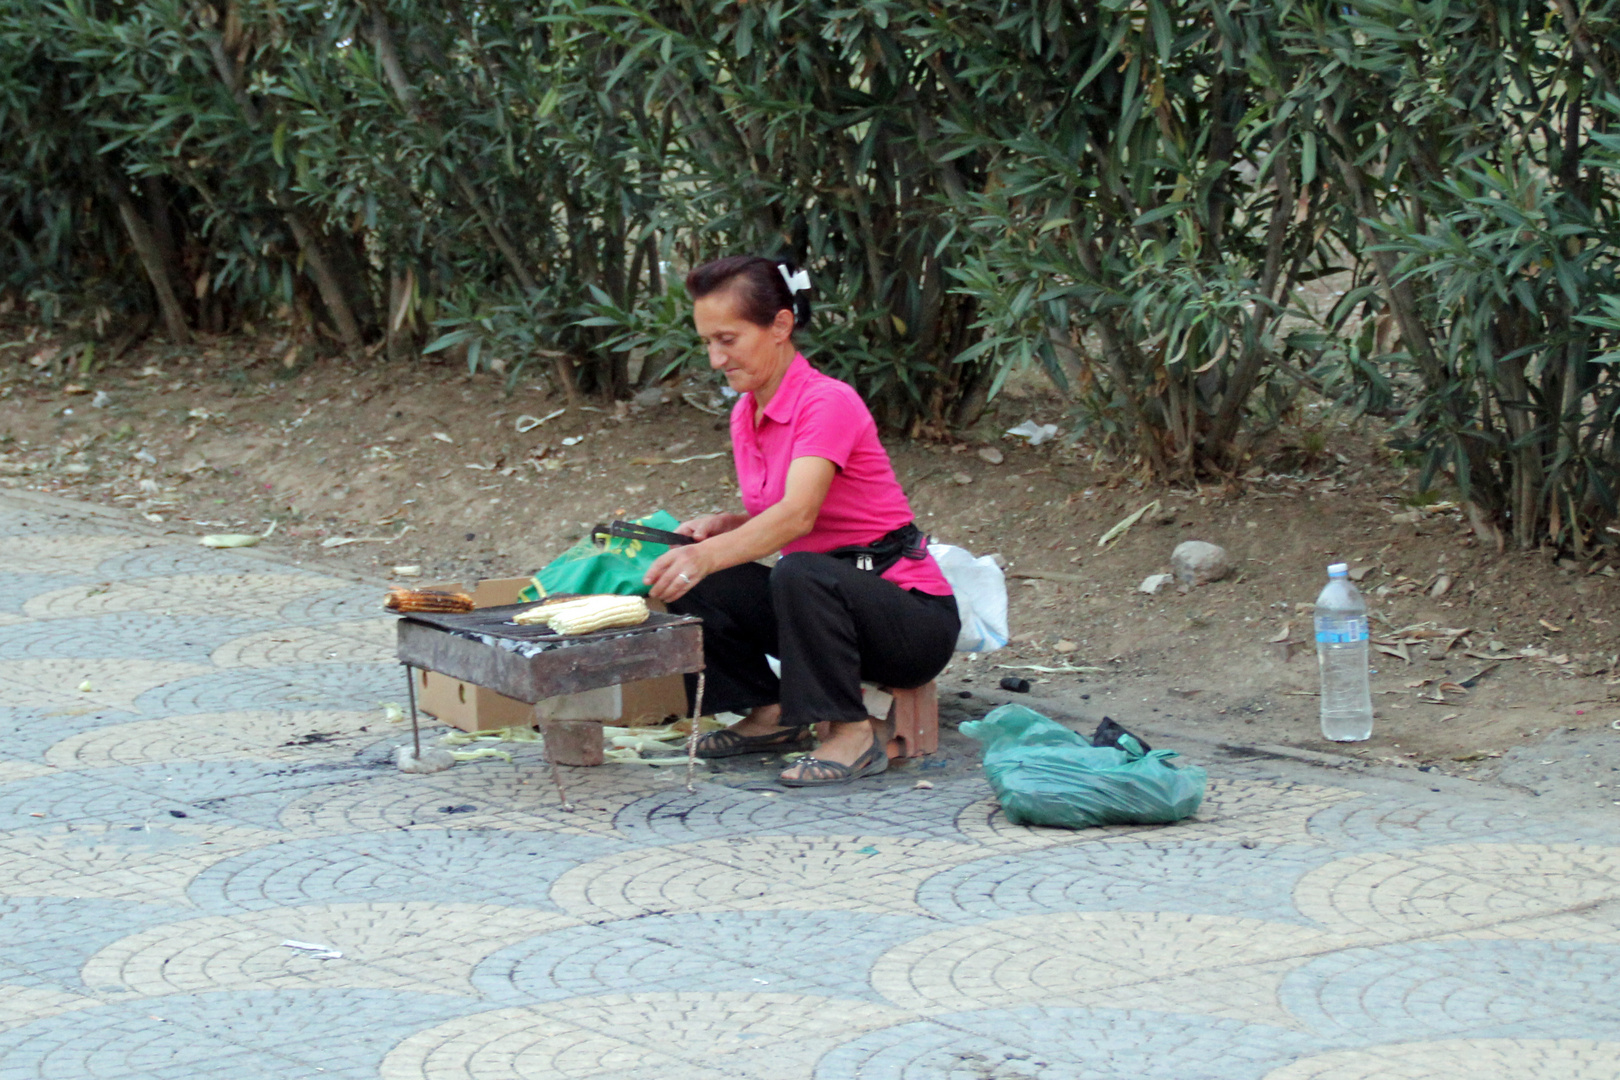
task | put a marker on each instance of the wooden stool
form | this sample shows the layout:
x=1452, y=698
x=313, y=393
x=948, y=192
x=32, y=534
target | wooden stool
x=914, y=714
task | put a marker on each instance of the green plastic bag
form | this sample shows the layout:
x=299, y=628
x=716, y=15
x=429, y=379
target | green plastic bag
x=617, y=567
x=1045, y=774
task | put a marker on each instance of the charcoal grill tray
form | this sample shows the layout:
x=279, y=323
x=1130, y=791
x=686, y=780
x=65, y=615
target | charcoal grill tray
x=529, y=663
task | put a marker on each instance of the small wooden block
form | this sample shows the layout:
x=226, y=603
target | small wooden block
x=572, y=742
x=915, y=716
x=916, y=722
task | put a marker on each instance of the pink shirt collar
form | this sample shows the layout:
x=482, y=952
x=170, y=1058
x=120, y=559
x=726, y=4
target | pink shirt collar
x=786, y=398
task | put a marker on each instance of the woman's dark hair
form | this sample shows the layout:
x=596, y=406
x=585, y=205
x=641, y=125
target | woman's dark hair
x=762, y=288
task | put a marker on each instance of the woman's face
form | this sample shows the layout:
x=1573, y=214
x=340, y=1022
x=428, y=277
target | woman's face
x=752, y=357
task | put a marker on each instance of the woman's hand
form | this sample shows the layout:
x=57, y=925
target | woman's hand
x=673, y=573
x=701, y=528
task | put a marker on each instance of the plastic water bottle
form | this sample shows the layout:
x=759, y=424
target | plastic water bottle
x=1341, y=656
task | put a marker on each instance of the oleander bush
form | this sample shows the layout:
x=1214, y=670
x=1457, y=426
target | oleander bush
x=1193, y=215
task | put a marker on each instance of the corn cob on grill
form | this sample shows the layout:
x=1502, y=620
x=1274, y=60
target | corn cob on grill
x=586, y=614
x=437, y=601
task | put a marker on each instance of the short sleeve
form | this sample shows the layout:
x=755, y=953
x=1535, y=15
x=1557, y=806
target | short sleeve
x=829, y=425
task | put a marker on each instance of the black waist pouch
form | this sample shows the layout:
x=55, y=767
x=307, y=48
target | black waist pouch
x=906, y=542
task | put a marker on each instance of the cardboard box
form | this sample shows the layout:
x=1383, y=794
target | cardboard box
x=478, y=708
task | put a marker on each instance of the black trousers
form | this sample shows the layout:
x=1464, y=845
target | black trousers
x=832, y=627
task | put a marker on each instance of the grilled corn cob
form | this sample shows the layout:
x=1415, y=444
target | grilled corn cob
x=587, y=614
x=540, y=614
x=437, y=601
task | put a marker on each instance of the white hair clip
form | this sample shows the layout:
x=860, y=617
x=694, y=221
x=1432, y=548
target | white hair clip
x=796, y=283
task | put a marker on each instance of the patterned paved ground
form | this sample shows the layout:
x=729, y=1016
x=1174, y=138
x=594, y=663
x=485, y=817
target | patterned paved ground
x=167, y=822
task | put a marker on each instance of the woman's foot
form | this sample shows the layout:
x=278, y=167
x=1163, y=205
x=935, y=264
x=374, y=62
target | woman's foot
x=853, y=750
x=756, y=733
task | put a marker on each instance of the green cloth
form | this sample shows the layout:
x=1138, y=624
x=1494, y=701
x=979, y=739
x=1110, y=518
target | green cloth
x=1045, y=774
x=617, y=567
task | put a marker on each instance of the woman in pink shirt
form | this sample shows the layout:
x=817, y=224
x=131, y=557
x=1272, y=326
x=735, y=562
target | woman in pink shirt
x=855, y=595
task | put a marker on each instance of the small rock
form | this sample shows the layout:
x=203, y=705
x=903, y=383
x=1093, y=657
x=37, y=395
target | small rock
x=652, y=395
x=992, y=455
x=1249, y=842
x=1065, y=647
x=962, y=478
x=1196, y=562
x=1154, y=582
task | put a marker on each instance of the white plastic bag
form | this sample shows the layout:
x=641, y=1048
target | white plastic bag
x=981, y=597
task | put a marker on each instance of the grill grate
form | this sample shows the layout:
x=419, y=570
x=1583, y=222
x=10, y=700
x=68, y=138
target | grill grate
x=496, y=623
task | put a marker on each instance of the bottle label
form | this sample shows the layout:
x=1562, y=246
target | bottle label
x=1341, y=631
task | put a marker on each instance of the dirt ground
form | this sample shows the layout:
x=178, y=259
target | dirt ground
x=1488, y=666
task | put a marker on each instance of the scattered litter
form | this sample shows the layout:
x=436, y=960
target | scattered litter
x=392, y=713
x=923, y=785
x=317, y=952
x=867, y=850
x=677, y=461
x=101, y=400
x=85, y=687
x=1067, y=669
x=156, y=519
x=485, y=752
x=700, y=405
x=1550, y=626
x=573, y=440
x=442, y=437
x=505, y=734
x=178, y=813
x=463, y=808
x=230, y=540
x=527, y=423
x=1154, y=582
x=340, y=541
x=36, y=813
x=1035, y=433
x=432, y=760
x=1015, y=684
x=1249, y=843
x=1124, y=526
x=1065, y=647
x=407, y=571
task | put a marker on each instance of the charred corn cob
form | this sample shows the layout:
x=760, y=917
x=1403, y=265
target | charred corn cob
x=587, y=614
x=437, y=601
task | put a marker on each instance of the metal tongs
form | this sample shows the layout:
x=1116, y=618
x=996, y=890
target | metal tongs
x=629, y=530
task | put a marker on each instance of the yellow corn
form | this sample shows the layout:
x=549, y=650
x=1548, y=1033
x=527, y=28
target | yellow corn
x=602, y=613
x=587, y=613
x=541, y=613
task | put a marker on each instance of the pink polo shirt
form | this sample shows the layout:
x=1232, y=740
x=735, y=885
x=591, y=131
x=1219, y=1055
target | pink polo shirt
x=815, y=415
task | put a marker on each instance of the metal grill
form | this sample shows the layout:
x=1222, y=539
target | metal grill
x=496, y=623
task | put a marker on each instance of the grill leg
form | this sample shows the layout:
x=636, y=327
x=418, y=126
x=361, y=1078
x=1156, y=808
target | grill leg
x=416, y=729
x=692, y=736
